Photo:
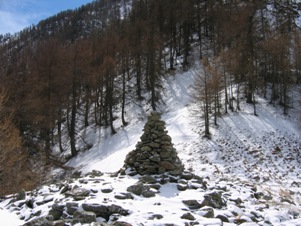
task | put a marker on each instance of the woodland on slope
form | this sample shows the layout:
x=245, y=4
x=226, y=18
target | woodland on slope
x=76, y=68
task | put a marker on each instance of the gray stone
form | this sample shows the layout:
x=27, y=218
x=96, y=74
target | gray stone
x=176, y=171
x=137, y=188
x=124, y=195
x=146, y=149
x=85, y=217
x=98, y=209
x=115, y=209
x=223, y=218
x=56, y=211
x=207, y=212
x=165, y=154
x=155, y=186
x=148, y=193
x=167, y=165
x=188, y=216
x=156, y=216
x=58, y=223
x=213, y=199
x=187, y=175
x=71, y=207
x=21, y=195
x=107, y=190
x=192, y=204
x=38, y=222
x=182, y=187
x=78, y=193
x=155, y=158
x=148, y=179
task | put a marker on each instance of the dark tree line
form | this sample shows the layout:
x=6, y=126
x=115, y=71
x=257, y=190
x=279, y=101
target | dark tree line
x=254, y=49
x=73, y=69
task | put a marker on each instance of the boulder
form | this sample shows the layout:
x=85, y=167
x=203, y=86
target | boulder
x=192, y=204
x=78, y=193
x=213, y=199
x=124, y=195
x=206, y=211
x=98, y=209
x=188, y=216
x=71, y=207
x=84, y=217
x=104, y=211
x=38, y=222
x=56, y=211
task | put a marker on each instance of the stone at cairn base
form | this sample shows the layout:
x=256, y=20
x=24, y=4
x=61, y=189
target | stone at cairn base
x=154, y=153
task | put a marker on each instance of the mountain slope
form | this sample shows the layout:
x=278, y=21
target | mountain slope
x=252, y=161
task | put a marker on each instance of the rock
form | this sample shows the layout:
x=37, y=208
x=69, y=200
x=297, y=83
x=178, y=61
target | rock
x=83, y=181
x=187, y=175
x=207, y=212
x=222, y=218
x=188, y=216
x=46, y=199
x=267, y=197
x=239, y=221
x=237, y=201
x=155, y=186
x=118, y=223
x=21, y=195
x=213, y=199
x=76, y=174
x=98, y=209
x=165, y=154
x=58, y=223
x=64, y=189
x=156, y=216
x=78, y=193
x=85, y=217
x=177, y=171
x=95, y=173
x=154, y=154
x=258, y=195
x=167, y=165
x=38, y=222
x=71, y=207
x=139, y=188
x=104, y=211
x=192, y=204
x=124, y=195
x=56, y=211
x=182, y=187
x=148, y=179
x=136, y=188
x=148, y=193
x=115, y=209
x=107, y=190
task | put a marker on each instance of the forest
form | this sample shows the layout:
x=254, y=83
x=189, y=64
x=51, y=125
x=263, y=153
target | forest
x=76, y=68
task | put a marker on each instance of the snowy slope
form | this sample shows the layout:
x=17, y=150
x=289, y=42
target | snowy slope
x=246, y=153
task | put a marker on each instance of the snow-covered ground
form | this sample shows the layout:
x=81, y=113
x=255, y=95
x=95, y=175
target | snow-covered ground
x=246, y=153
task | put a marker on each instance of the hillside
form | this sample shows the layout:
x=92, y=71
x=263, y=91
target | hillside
x=250, y=168
x=78, y=89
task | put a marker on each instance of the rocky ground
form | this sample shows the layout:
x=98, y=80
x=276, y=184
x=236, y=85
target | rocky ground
x=188, y=199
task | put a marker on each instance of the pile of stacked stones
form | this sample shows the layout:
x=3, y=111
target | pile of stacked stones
x=155, y=153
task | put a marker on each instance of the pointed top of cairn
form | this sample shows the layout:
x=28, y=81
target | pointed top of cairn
x=154, y=153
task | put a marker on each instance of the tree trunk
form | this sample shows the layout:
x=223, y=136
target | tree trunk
x=72, y=125
x=123, y=100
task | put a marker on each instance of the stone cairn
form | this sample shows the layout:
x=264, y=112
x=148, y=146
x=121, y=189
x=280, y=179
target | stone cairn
x=155, y=153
